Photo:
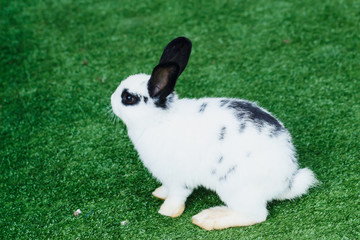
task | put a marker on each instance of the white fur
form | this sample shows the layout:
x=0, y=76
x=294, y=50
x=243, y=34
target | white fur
x=180, y=146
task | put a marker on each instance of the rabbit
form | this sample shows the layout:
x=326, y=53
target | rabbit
x=230, y=146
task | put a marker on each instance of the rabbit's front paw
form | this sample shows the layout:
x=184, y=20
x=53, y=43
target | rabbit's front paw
x=172, y=208
x=161, y=193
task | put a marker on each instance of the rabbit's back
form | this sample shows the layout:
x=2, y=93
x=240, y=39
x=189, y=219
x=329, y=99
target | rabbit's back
x=210, y=142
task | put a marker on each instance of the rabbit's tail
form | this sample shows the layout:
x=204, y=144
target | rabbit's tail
x=302, y=180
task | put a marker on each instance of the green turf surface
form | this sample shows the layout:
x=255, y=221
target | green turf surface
x=60, y=150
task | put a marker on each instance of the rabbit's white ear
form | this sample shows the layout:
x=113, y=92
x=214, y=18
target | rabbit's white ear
x=177, y=51
x=163, y=79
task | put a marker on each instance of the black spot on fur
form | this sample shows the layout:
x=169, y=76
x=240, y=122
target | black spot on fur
x=230, y=171
x=164, y=102
x=248, y=111
x=220, y=159
x=224, y=102
x=161, y=103
x=289, y=183
x=291, y=180
x=186, y=187
x=242, y=127
x=275, y=132
x=222, y=133
x=202, y=107
x=223, y=178
x=294, y=160
x=146, y=99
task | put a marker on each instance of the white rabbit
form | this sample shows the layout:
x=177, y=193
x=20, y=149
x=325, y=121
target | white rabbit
x=230, y=146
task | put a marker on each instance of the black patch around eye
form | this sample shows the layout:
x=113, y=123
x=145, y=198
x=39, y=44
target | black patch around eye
x=128, y=98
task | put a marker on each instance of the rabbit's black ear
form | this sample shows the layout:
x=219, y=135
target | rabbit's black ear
x=163, y=79
x=178, y=51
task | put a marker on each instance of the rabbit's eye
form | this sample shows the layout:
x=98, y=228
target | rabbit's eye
x=128, y=98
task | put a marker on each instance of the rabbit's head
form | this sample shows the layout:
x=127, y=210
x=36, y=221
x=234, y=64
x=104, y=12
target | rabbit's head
x=141, y=94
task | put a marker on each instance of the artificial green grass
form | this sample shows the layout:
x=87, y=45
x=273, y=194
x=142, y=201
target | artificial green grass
x=60, y=149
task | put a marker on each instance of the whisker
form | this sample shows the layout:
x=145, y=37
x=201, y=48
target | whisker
x=109, y=109
x=113, y=118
